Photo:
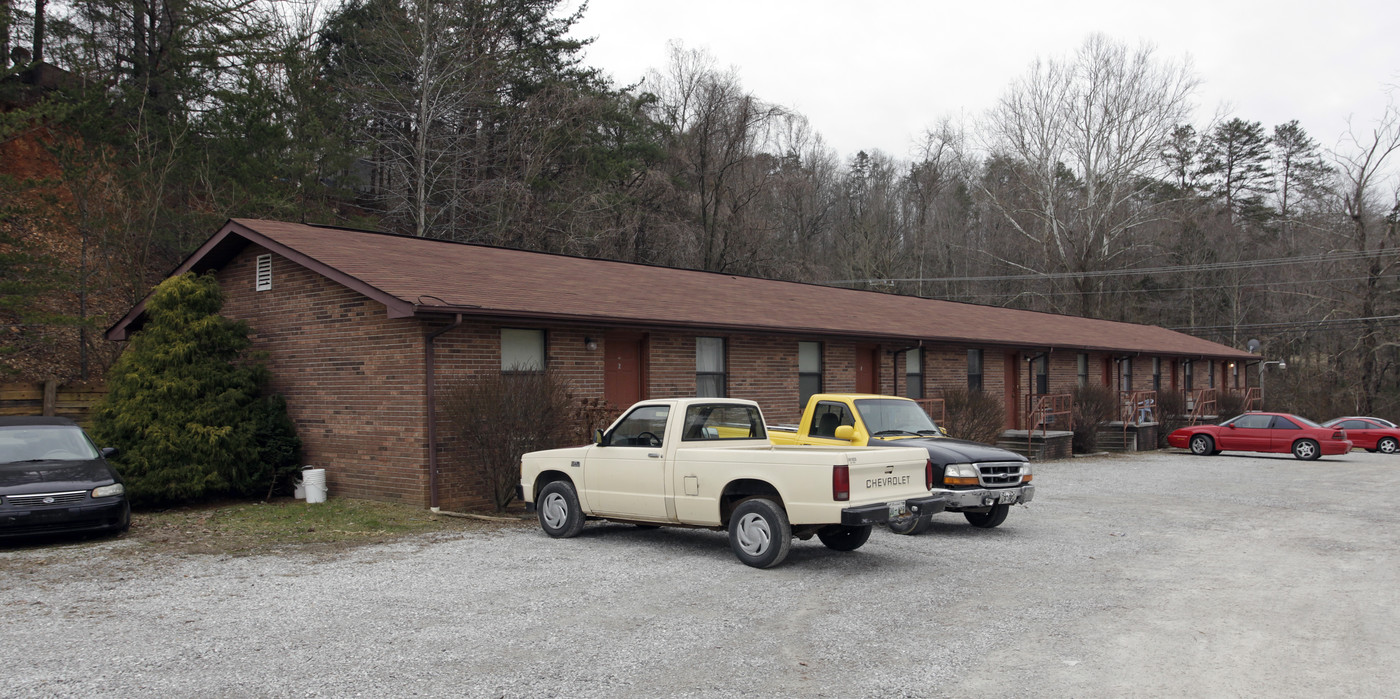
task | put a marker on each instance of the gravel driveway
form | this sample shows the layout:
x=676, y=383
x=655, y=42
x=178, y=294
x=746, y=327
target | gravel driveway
x=1147, y=575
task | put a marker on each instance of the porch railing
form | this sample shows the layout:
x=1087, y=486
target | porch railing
x=1200, y=402
x=1137, y=407
x=936, y=409
x=1252, y=398
x=1048, y=410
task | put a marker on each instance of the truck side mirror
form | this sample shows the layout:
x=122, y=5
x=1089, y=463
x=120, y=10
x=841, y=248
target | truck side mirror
x=845, y=432
x=598, y=437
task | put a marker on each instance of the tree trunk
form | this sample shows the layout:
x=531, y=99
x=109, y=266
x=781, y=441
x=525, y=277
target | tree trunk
x=39, y=30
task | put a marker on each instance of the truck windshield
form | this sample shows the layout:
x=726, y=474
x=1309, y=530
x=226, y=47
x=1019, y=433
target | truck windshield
x=888, y=417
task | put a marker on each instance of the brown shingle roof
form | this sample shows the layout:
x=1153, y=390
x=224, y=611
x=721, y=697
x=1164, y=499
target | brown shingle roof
x=415, y=276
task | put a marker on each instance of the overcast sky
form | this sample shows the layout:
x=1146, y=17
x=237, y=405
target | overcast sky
x=874, y=74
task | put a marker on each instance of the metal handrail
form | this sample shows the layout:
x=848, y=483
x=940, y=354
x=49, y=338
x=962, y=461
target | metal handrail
x=936, y=409
x=1199, y=403
x=1137, y=407
x=1047, y=408
x=1253, y=398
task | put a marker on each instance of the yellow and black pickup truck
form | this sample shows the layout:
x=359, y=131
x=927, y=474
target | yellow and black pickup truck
x=978, y=480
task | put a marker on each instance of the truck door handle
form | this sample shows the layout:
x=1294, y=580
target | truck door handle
x=654, y=455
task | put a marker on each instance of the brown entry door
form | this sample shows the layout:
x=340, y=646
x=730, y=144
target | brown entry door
x=622, y=369
x=867, y=371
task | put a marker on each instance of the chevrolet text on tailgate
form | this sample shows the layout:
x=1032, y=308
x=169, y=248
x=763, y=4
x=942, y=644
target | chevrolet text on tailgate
x=707, y=463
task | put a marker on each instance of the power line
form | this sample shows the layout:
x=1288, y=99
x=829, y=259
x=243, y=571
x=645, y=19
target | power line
x=1171, y=269
x=1319, y=323
x=1216, y=287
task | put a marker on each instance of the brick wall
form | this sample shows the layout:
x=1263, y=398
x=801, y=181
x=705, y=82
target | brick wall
x=352, y=376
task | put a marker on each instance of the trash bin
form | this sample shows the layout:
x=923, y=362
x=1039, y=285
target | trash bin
x=314, y=482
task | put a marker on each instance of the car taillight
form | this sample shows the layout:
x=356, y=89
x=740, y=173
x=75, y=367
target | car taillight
x=1339, y=434
x=841, y=482
x=928, y=474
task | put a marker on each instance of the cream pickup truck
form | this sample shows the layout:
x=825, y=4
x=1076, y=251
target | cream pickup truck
x=707, y=463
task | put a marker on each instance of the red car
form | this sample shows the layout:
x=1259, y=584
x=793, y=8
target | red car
x=1279, y=433
x=1369, y=433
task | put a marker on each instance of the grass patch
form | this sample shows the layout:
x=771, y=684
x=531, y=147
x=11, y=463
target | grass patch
x=248, y=528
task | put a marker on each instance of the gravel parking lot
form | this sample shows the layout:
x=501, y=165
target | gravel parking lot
x=1148, y=575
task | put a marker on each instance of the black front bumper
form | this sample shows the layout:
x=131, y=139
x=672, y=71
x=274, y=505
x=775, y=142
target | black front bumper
x=879, y=513
x=112, y=516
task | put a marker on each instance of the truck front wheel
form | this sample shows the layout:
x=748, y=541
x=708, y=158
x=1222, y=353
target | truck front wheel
x=559, y=511
x=988, y=519
x=911, y=525
x=840, y=537
x=759, y=533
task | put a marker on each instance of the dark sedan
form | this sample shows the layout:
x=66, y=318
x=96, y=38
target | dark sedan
x=53, y=480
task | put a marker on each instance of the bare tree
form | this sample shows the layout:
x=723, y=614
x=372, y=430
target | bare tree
x=412, y=76
x=722, y=145
x=1088, y=135
x=1371, y=203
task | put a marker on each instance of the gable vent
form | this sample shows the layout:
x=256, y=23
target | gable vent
x=264, y=280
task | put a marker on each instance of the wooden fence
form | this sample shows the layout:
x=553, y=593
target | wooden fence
x=73, y=400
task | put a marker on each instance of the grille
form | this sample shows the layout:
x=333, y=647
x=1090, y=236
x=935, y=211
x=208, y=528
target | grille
x=1000, y=474
x=37, y=499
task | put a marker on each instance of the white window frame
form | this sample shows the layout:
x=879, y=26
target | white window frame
x=914, y=373
x=806, y=370
x=705, y=368
x=522, y=350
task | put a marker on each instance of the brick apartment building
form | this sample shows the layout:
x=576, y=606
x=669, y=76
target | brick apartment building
x=362, y=330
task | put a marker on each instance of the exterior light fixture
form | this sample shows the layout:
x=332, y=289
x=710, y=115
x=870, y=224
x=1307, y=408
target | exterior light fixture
x=590, y=344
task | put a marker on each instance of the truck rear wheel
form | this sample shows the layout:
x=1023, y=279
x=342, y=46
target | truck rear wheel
x=558, y=510
x=841, y=537
x=911, y=525
x=759, y=533
x=988, y=519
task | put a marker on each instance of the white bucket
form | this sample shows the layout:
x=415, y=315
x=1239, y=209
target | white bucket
x=314, y=481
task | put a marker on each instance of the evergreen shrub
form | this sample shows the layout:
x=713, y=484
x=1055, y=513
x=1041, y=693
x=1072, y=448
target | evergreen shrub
x=184, y=404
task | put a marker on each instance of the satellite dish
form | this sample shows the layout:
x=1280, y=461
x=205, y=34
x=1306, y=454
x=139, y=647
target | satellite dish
x=1252, y=346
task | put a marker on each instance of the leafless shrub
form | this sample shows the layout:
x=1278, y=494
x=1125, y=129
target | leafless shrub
x=1093, y=406
x=1171, y=415
x=1228, y=405
x=588, y=414
x=500, y=416
x=973, y=415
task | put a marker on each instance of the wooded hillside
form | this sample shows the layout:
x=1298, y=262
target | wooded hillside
x=1087, y=190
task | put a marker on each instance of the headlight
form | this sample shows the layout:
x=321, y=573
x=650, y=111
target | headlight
x=960, y=474
x=960, y=471
x=108, y=491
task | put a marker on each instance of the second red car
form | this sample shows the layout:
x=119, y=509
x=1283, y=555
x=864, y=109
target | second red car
x=1368, y=433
